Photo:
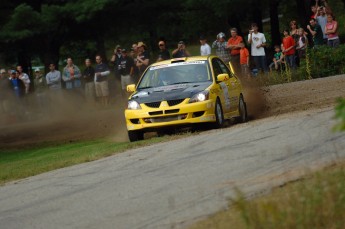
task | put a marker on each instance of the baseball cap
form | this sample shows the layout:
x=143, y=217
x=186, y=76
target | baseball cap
x=123, y=50
x=181, y=43
x=220, y=35
x=37, y=69
x=140, y=44
x=13, y=71
x=2, y=71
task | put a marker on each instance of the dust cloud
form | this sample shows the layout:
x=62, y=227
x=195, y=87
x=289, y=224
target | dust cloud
x=255, y=97
x=60, y=119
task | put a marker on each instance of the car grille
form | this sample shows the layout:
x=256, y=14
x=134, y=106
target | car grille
x=165, y=118
x=153, y=105
x=170, y=103
x=175, y=102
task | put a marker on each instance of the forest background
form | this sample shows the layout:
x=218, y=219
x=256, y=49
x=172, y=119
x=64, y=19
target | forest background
x=38, y=32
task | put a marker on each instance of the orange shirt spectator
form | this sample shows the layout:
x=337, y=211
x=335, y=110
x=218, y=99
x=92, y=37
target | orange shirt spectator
x=244, y=56
x=234, y=42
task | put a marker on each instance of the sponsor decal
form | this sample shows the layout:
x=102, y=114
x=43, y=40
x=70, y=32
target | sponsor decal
x=177, y=64
x=226, y=95
x=170, y=87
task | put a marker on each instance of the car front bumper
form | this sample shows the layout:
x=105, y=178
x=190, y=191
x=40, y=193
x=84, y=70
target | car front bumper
x=165, y=116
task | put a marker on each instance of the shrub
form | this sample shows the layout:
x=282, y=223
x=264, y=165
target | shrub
x=323, y=61
x=340, y=114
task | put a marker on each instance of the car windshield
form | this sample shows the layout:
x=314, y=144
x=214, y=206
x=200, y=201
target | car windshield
x=175, y=73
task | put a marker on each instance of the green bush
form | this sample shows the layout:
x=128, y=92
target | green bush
x=323, y=61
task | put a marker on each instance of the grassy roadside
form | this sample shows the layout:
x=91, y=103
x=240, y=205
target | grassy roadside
x=21, y=163
x=316, y=201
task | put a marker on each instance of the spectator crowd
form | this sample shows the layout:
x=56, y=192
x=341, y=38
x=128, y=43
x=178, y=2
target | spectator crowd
x=91, y=83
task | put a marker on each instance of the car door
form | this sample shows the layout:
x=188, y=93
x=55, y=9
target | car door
x=222, y=86
x=233, y=86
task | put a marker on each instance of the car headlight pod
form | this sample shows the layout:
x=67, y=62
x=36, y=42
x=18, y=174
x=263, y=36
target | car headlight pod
x=199, y=97
x=133, y=105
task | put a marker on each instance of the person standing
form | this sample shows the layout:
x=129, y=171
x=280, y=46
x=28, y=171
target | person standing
x=244, y=60
x=288, y=48
x=316, y=31
x=205, y=49
x=163, y=53
x=126, y=71
x=331, y=30
x=5, y=93
x=234, y=48
x=257, y=41
x=181, y=50
x=115, y=60
x=321, y=19
x=53, y=79
x=71, y=75
x=89, y=84
x=301, y=45
x=143, y=58
x=221, y=47
x=101, y=81
x=25, y=78
x=40, y=85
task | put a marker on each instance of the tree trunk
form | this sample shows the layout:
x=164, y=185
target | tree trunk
x=275, y=32
x=304, y=12
x=257, y=14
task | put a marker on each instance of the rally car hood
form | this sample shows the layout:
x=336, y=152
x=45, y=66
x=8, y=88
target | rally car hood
x=169, y=92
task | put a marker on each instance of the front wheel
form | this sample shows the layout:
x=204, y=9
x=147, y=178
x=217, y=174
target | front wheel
x=219, y=115
x=135, y=135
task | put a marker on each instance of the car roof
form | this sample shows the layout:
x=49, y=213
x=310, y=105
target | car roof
x=183, y=59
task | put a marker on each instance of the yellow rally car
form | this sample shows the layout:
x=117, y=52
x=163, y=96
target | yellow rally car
x=184, y=91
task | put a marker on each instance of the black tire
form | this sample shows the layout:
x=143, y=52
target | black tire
x=135, y=135
x=218, y=112
x=242, y=107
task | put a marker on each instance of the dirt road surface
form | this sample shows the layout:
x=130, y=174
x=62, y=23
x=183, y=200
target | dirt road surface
x=169, y=185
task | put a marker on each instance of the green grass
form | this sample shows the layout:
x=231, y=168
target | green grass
x=21, y=163
x=317, y=201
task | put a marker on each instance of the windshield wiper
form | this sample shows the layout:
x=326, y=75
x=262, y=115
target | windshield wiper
x=182, y=82
x=144, y=87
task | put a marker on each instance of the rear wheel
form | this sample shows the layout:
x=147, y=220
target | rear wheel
x=242, y=107
x=219, y=115
x=135, y=135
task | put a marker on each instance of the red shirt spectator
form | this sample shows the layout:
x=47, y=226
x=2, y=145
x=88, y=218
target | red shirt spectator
x=288, y=45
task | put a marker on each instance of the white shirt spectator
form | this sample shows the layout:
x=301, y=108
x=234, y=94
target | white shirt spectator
x=257, y=39
x=205, y=50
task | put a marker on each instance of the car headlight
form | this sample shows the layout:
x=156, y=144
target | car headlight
x=133, y=105
x=199, y=97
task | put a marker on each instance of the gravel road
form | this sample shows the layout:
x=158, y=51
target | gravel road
x=170, y=185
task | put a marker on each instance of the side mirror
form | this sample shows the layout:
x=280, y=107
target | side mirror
x=131, y=88
x=223, y=77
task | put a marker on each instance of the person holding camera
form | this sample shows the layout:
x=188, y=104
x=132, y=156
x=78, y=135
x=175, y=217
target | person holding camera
x=321, y=19
x=221, y=46
x=257, y=41
x=116, y=59
x=180, y=51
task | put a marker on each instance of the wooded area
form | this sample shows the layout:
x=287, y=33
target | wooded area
x=50, y=30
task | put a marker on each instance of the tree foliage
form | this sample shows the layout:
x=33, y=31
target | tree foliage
x=49, y=28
